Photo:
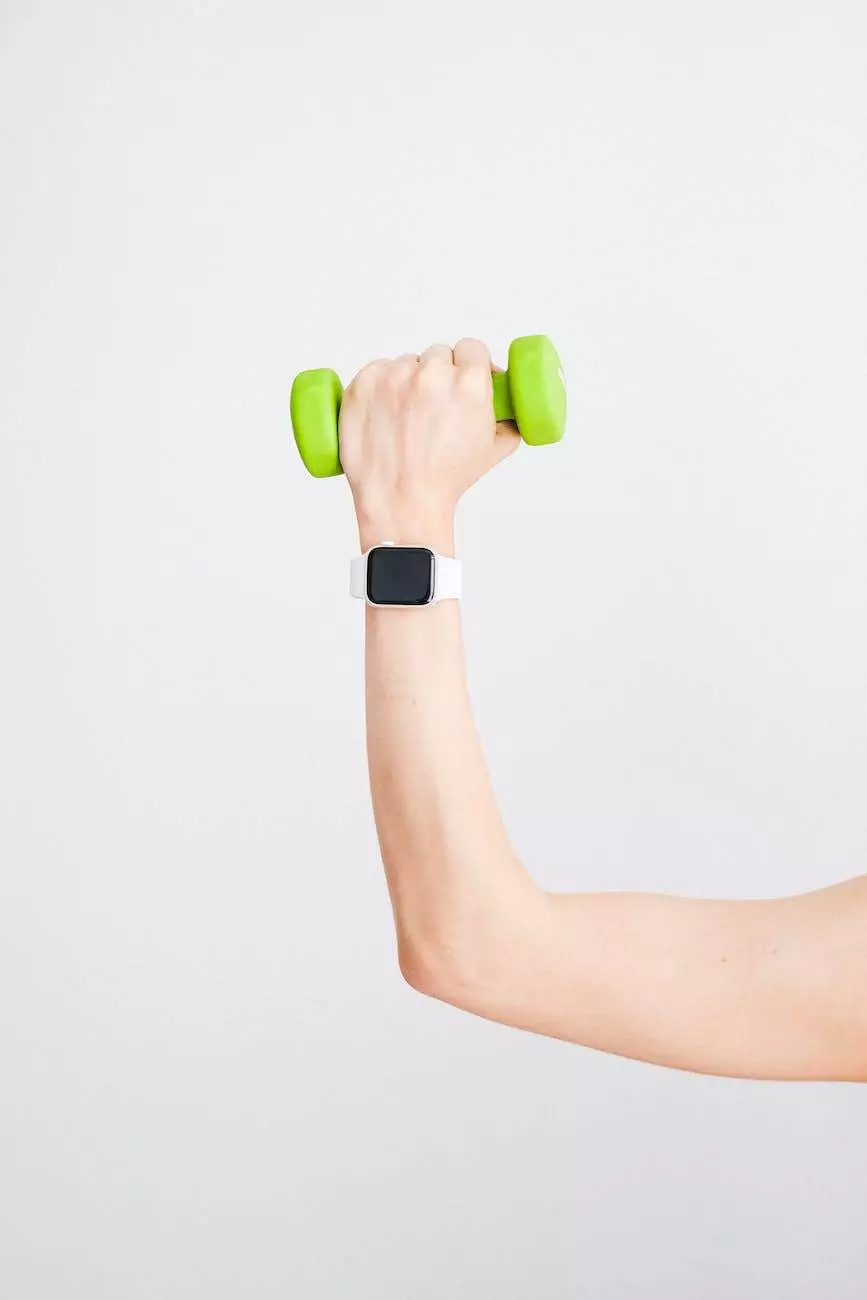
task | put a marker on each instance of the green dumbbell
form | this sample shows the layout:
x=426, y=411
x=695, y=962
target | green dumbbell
x=531, y=392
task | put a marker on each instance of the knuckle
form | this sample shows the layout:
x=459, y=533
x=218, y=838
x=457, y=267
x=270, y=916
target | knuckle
x=393, y=376
x=367, y=376
x=431, y=373
x=475, y=379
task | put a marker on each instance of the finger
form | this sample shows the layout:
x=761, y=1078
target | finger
x=438, y=352
x=369, y=373
x=472, y=354
x=402, y=368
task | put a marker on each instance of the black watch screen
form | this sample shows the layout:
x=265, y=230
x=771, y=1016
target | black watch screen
x=400, y=575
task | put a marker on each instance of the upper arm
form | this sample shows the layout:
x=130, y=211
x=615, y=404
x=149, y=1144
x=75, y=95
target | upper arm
x=762, y=989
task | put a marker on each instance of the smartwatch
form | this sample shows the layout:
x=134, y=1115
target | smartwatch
x=405, y=576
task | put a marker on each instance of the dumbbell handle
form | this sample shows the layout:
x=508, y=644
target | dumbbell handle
x=503, y=409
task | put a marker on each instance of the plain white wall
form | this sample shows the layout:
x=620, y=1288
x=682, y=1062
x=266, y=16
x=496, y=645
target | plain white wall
x=212, y=1082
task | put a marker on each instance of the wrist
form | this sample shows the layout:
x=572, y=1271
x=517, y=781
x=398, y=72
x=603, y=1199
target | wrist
x=435, y=530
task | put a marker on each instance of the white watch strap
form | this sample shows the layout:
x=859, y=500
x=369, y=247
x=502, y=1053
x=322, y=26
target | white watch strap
x=447, y=581
x=358, y=576
x=447, y=576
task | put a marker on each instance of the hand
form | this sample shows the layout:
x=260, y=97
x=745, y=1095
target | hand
x=415, y=434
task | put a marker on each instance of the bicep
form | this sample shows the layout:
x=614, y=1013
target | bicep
x=762, y=989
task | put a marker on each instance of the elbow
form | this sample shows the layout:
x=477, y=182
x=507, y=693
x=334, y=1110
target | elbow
x=483, y=961
x=417, y=970
x=475, y=948
x=440, y=971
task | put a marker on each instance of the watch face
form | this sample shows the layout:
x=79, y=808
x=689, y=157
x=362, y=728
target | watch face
x=400, y=575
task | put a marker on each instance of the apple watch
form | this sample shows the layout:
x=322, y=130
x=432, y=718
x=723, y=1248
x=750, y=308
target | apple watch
x=406, y=576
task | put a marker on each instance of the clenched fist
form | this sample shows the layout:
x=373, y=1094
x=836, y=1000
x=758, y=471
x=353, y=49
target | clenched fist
x=415, y=434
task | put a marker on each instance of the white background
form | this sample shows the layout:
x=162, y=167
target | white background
x=213, y=1084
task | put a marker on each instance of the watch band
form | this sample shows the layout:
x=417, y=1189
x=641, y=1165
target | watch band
x=447, y=576
x=358, y=576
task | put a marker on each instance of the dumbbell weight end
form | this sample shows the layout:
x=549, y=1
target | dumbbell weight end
x=314, y=407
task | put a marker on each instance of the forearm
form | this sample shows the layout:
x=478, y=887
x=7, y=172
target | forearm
x=457, y=888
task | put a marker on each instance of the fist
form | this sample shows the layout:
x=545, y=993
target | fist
x=415, y=434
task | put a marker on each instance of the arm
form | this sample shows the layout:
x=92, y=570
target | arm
x=765, y=989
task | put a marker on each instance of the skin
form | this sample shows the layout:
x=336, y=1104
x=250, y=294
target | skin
x=771, y=989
